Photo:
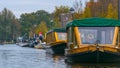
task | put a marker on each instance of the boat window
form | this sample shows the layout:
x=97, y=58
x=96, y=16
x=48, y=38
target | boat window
x=62, y=36
x=50, y=37
x=101, y=35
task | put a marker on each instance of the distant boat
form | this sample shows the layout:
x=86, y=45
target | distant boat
x=56, y=41
x=93, y=40
x=23, y=44
x=39, y=46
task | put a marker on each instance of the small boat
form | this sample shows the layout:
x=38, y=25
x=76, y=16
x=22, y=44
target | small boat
x=23, y=44
x=56, y=41
x=93, y=40
x=31, y=43
x=40, y=45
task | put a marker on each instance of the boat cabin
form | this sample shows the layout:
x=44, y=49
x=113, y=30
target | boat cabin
x=56, y=36
x=56, y=39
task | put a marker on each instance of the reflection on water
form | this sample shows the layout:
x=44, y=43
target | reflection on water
x=95, y=65
x=57, y=60
x=12, y=56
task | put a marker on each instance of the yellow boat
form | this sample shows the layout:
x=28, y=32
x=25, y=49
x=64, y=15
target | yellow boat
x=56, y=41
x=93, y=40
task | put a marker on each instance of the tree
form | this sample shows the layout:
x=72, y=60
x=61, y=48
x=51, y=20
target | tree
x=78, y=6
x=111, y=13
x=15, y=29
x=42, y=15
x=6, y=20
x=87, y=13
x=42, y=27
x=28, y=20
x=103, y=7
x=78, y=10
x=57, y=15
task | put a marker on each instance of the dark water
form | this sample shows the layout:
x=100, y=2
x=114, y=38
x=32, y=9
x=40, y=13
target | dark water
x=13, y=56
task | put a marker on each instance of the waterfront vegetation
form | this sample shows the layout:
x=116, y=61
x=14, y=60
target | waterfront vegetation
x=12, y=27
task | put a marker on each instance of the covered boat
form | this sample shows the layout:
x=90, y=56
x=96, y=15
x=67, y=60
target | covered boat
x=56, y=41
x=93, y=40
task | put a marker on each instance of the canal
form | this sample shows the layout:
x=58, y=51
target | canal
x=13, y=56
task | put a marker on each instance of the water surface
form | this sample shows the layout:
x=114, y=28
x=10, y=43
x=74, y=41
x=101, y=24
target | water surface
x=13, y=56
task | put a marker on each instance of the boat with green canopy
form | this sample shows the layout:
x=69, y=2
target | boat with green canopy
x=56, y=41
x=93, y=40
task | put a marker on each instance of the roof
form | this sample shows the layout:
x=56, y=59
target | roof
x=57, y=30
x=94, y=22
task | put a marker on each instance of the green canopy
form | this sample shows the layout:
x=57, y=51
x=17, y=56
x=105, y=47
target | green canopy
x=94, y=22
x=57, y=30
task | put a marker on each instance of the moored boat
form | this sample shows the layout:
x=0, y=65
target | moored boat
x=23, y=44
x=21, y=41
x=56, y=41
x=40, y=45
x=93, y=40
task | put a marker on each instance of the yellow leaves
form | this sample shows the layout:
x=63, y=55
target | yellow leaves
x=87, y=13
x=111, y=13
x=42, y=27
x=77, y=15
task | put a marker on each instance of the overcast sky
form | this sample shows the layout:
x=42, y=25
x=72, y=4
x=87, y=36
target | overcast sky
x=27, y=6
